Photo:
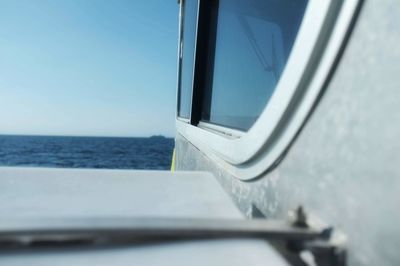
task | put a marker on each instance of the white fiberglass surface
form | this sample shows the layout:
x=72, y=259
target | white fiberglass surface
x=42, y=193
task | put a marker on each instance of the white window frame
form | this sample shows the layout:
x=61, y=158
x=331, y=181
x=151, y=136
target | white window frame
x=247, y=155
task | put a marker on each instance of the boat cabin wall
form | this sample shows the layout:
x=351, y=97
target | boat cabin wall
x=344, y=165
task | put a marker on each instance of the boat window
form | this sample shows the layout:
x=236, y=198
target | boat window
x=259, y=68
x=253, y=40
x=187, y=53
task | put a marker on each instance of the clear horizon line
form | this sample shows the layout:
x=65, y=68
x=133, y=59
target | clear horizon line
x=84, y=136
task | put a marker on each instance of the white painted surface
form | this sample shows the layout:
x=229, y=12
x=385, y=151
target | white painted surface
x=28, y=192
x=344, y=165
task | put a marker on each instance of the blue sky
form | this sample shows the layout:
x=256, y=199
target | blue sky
x=88, y=67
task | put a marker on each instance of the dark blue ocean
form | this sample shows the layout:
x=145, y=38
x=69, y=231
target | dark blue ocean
x=86, y=152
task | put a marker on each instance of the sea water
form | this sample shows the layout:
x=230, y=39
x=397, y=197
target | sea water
x=86, y=152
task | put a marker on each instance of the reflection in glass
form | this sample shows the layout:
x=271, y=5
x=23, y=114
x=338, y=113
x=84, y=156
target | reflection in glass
x=253, y=41
x=190, y=8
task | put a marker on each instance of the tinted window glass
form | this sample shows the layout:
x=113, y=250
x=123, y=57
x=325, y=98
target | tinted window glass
x=253, y=40
x=187, y=62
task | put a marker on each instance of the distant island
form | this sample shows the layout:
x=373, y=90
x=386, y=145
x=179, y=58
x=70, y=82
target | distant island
x=158, y=137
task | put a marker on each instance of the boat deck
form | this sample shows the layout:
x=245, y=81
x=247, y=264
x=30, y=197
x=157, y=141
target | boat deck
x=27, y=193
